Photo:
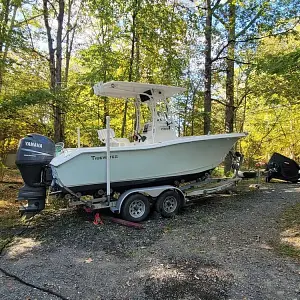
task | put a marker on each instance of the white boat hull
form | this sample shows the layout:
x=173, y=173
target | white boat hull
x=85, y=168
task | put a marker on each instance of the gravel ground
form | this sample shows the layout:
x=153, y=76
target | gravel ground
x=219, y=248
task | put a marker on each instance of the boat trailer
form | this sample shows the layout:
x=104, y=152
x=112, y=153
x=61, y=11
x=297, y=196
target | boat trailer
x=134, y=204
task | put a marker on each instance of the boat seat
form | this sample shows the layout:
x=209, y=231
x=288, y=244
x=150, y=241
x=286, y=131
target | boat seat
x=114, y=142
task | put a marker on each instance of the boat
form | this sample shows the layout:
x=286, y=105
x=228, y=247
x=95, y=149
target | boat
x=156, y=155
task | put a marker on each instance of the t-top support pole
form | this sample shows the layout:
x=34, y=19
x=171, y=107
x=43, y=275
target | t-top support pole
x=108, y=159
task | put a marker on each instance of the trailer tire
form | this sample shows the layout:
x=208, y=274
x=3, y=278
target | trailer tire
x=135, y=208
x=168, y=204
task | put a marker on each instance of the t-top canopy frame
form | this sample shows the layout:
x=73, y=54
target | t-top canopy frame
x=141, y=92
x=124, y=90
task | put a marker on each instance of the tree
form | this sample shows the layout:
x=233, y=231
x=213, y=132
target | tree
x=241, y=24
x=272, y=113
x=55, y=55
x=133, y=31
x=9, y=34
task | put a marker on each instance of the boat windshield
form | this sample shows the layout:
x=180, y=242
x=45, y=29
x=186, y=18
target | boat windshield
x=160, y=112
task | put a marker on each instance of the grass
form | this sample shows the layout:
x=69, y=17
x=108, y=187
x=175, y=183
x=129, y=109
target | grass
x=289, y=241
x=9, y=221
x=291, y=217
x=287, y=250
x=12, y=176
x=9, y=212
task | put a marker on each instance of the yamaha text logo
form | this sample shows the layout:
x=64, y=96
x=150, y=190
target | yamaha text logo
x=34, y=144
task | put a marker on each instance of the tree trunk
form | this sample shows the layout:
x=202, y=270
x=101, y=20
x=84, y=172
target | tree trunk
x=3, y=25
x=105, y=110
x=51, y=56
x=105, y=101
x=229, y=110
x=137, y=57
x=68, y=42
x=185, y=115
x=59, y=117
x=137, y=76
x=6, y=30
x=130, y=75
x=193, y=113
x=50, y=46
x=55, y=66
x=207, y=70
x=1, y=70
x=70, y=34
x=1, y=78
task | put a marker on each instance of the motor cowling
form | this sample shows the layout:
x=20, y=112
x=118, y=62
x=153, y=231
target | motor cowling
x=34, y=153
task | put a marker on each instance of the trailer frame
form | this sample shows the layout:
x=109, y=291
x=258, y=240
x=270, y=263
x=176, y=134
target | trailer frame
x=187, y=193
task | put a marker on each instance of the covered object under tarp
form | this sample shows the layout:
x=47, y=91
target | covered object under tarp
x=284, y=168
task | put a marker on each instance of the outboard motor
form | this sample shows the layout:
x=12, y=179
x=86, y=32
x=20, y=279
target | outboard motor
x=33, y=156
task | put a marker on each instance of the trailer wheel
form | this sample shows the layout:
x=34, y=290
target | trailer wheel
x=136, y=208
x=168, y=204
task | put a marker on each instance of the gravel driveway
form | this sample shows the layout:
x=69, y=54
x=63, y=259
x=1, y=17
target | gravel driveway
x=215, y=249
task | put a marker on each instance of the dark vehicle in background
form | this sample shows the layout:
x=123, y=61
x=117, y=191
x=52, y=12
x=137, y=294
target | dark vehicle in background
x=284, y=168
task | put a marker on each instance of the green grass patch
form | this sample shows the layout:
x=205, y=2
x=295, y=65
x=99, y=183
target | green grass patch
x=12, y=175
x=287, y=250
x=291, y=217
x=9, y=209
x=288, y=243
x=9, y=221
x=9, y=214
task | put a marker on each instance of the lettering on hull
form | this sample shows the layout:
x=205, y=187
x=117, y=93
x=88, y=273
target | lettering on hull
x=103, y=157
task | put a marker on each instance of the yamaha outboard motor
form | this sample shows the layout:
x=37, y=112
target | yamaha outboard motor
x=34, y=154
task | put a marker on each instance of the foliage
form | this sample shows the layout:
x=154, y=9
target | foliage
x=273, y=105
x=2, y=170
x=156, y=42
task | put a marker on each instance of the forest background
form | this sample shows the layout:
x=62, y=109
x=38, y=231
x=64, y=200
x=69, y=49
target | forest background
x=239, y=61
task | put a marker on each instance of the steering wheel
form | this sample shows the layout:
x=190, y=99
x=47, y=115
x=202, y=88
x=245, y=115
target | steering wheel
x=136, y=136
x=142, y=137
